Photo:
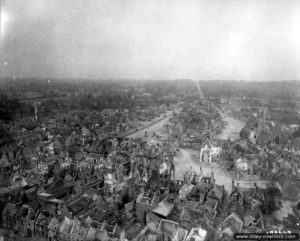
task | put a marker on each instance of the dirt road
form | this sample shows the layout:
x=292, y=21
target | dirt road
x=232, y=129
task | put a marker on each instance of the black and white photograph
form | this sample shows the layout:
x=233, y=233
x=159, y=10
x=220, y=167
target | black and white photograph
x=149, y=120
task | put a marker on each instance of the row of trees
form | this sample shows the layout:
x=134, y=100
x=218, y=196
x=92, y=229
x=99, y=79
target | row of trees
x=8, y=111
x=283, y=90
x=8, y=108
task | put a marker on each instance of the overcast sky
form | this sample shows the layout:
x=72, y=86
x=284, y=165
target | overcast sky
x=151, y=39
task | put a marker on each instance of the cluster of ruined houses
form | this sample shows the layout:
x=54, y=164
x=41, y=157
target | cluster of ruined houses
x=82, y=198
x=194, y=209
x=126, y=190
x=269, y=156
x=90, y=216
x=262, y=130
x=42, y=137
x=270, y=150
x=243, y=211
x=40, y=164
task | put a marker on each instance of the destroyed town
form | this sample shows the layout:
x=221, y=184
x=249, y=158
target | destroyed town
x=129, y=121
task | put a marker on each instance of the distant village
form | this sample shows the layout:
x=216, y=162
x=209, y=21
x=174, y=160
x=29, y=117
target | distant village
x=85, y=176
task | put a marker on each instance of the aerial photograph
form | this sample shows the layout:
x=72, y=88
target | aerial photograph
x=149, y=120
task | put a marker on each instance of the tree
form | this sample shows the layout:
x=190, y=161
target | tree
x=272, y=202
x=8, y=108
x=5, y=137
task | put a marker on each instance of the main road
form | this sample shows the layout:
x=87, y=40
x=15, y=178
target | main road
x=152, y=127
x=233, y=126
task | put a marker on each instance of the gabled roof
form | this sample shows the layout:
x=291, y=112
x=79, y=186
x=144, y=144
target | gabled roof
x=234, y=222
x=31, y=214
x=209, y=143
x=91, y=234
x=41, y=218
x=66, y=225
x=236, y=190
x=4, y=162
x=54, y=222
x=217, y=191
x=85, y=131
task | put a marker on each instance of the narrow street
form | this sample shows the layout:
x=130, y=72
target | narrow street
x=155, y=126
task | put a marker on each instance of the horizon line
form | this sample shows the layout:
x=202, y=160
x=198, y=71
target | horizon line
x=138, y=79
